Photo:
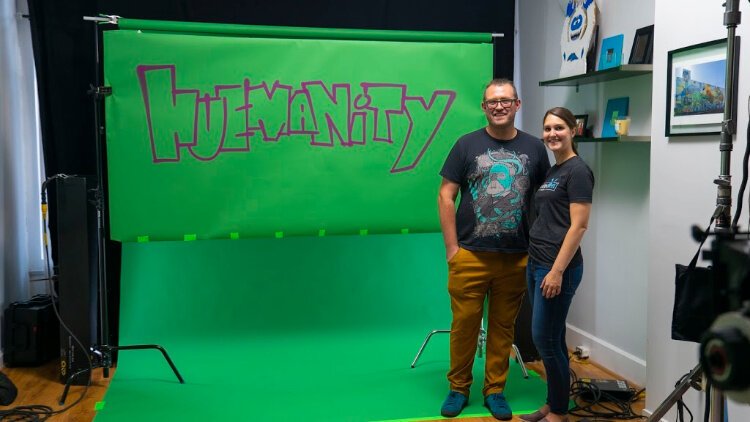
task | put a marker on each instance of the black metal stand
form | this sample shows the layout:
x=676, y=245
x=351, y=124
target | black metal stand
x=102, y=353
x=693, y=379
x=732, y=18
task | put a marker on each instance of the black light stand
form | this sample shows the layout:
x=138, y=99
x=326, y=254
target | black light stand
x=102, y=353
x=723, y=213
x=724, y=227
x=693, y=379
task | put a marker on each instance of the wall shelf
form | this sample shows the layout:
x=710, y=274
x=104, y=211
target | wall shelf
x=614, y=139
x=615, y=73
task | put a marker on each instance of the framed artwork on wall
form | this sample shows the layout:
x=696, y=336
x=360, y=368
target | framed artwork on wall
x=582, y=121
x=696, y=88
x=616, y=108
x=611, y=54
x=643, y=46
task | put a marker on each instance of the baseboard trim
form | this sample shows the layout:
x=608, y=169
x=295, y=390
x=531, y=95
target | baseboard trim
x=609, y=356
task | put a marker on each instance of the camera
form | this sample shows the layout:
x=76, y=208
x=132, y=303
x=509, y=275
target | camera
x=725, y=346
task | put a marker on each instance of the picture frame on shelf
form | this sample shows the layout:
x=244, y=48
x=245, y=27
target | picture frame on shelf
x=611, y=54
x=642, y=51
x=582, y=121
x=616, y=108
x=696, y=88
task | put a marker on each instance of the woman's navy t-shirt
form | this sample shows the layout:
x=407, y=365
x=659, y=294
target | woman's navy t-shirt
x=569, y=182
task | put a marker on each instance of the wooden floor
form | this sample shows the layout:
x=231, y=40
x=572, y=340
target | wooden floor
x=583, y=369
x=40, y=386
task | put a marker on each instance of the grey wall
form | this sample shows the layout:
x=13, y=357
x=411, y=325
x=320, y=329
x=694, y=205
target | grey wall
x=609, y=312
x=647, y=195
x=682, y=189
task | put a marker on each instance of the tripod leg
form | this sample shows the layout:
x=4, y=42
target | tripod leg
x=692, y=379
x=519, y=360
x=717, y=405
x=421, y=349
x=157, y=347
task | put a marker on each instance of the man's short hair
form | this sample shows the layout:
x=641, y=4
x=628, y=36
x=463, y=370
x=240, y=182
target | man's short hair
x=499, y=82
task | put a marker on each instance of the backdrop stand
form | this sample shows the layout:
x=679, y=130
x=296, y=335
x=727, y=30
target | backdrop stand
x=102, y=353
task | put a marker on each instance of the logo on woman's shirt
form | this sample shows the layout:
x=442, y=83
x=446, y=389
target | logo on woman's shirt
x=551, y=184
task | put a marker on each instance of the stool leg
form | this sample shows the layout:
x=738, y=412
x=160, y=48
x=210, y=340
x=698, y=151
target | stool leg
x=519, y=359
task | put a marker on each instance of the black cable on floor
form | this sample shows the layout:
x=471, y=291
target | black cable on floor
x=591, y=402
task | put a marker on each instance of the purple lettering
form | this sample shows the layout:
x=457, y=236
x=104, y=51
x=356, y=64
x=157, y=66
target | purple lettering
x=232, y=117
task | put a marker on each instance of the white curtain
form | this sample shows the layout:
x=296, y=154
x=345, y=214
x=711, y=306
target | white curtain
x=20, y=164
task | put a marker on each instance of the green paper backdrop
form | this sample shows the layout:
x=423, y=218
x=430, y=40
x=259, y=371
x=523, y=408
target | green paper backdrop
x=218, y=132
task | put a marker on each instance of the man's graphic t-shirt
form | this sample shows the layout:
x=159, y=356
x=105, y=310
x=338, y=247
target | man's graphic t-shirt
x=497, y=179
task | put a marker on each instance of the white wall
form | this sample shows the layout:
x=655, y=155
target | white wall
x=682, y=189
x=647, y=195
x=609, y=312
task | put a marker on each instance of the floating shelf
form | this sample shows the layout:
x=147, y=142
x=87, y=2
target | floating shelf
x=615, y=73
x=615, y=139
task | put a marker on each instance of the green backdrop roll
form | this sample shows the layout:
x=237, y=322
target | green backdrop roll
x=213, y=135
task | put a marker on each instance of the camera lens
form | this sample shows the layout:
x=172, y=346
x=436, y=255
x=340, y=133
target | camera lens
x=724, y=353
x=724, y=357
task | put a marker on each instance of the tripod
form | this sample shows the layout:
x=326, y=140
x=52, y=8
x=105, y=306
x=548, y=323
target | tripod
x=102, y=353
x=693, y=379
x=481, y=343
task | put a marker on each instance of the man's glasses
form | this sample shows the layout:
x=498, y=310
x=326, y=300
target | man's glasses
x=505, y=102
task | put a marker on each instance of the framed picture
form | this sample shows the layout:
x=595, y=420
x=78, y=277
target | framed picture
x=611, y=54
x=696, y=88
x=617, y=108
x=642, y=51
x=582, y=121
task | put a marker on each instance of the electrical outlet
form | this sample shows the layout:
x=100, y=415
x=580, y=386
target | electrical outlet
x=582, y=352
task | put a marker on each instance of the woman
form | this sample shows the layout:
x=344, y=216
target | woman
x=563, y=205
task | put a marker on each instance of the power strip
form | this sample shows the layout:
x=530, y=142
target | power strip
x=618, y=389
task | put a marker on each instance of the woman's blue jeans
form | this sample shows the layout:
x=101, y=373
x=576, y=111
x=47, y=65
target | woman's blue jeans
x=548, y=330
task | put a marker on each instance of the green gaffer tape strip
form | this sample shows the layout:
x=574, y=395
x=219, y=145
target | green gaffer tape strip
x=99, y=405
x=363, y=232
x=142, y=239
x=279, y=235
x=234, y=235
x=263, y=31
x=463, y=416
x=190, y=237
x=321, y=232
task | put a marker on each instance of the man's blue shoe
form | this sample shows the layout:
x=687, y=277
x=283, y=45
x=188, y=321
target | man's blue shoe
x=453, y=404
x=498, y=406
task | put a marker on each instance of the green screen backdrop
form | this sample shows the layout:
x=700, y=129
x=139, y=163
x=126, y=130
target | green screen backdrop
x=231, y=131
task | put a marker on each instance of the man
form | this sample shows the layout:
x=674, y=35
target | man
x=496, y=169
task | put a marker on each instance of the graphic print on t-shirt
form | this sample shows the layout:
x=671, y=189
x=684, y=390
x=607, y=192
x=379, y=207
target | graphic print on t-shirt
x=551, y=184
x=498, y=189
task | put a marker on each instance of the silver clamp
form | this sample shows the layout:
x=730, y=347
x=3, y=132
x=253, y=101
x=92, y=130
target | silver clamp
x=112, y=19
